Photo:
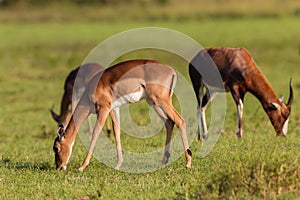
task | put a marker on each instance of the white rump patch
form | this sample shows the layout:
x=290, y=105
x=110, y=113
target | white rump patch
x=285, y=127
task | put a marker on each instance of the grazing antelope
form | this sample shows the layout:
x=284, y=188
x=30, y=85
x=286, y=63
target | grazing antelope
x=88, y=72
x=123, y=83
x=240, y=74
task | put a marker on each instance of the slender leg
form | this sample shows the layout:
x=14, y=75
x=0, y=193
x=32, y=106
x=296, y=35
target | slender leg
x=90, y=125
x=108, y=128
x=205, y=101
x=169, y=124
x=204, y=125
x=164, y=100
x=169, y=127
x=240, y=109
x=115, y=116
x=180, y=123
x=102, y=115
x=238, y=96
x=199, y=111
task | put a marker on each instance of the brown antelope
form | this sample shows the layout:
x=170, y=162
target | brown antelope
x=82, y=78
x=240, y=74
x=123, y=83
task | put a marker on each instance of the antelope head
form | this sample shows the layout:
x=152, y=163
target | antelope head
x=279, y=114
x=62, y=149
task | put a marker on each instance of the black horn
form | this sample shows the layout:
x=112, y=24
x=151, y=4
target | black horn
x=54, y=115
x=291, y=97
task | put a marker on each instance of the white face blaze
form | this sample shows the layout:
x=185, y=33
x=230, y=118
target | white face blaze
x=285, y=127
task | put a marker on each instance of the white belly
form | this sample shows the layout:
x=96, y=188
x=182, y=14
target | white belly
x=129, y=98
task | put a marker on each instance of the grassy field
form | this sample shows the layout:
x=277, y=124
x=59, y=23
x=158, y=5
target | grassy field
x=36, y=57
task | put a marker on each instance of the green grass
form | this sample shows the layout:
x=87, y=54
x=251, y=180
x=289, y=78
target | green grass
x=35, y=58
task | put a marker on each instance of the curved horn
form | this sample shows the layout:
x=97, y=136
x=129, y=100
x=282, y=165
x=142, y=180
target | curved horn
x=54, y=115
x=291, y=97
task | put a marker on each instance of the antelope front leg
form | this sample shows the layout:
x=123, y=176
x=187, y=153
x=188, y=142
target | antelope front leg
x=115, y=115
x=199, y=123
x=204, y=125
x=102, y=115
x=90, y=124
x=240, y=116
x=200, y=113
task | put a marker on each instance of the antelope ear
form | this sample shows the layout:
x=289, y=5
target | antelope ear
x=281, y=99
x=60, y=132
x=276, y=106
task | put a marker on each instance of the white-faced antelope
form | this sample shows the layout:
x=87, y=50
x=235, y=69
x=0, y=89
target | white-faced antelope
x=240, y=74
x=89, y=70
x=123, y=83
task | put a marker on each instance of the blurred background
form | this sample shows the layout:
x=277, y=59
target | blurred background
x=143, y=10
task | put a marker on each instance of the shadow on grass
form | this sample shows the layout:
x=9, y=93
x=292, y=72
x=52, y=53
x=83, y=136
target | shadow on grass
x=20, y=165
